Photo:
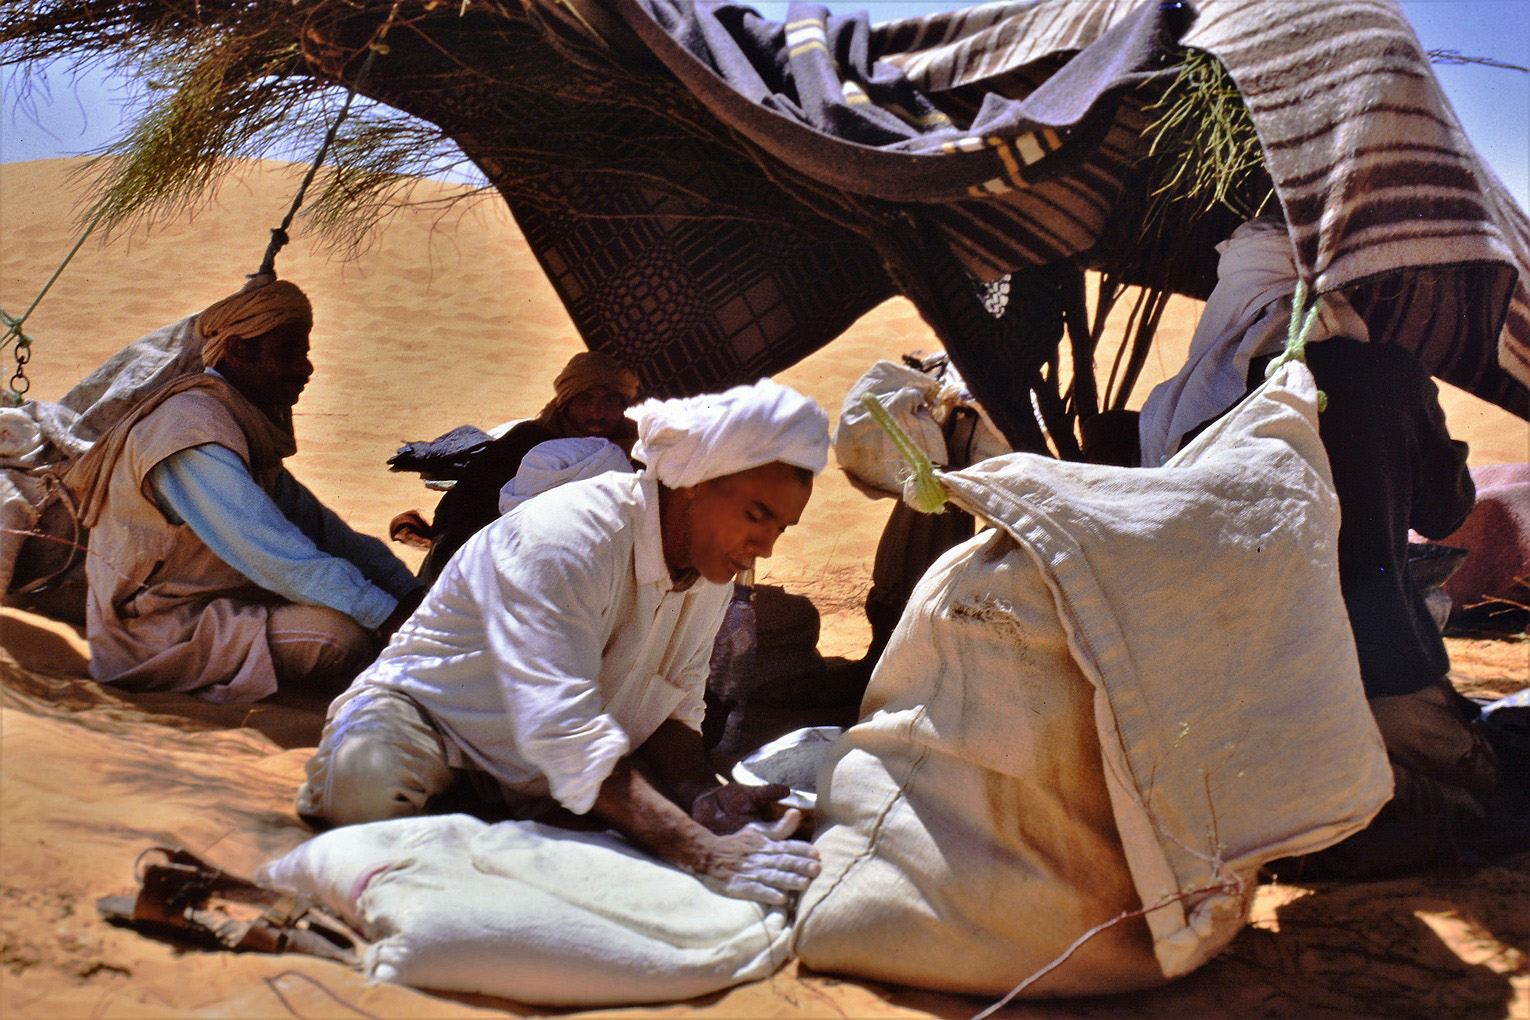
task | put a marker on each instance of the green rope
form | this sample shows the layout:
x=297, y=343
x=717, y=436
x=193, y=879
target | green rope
x=19, y=384
x=1304, y=319
x=927, y=495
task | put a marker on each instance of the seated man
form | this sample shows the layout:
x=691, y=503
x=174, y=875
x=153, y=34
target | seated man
x=1394, y=466
x=212, y=570
x=563, y=652
x=590, y=396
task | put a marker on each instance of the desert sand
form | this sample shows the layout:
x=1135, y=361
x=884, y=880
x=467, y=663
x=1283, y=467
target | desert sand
x=446, y=319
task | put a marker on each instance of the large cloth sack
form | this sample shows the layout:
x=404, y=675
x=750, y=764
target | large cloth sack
x=920, y=403
x=1131, y=693
x=530, y=912
x=38, y=443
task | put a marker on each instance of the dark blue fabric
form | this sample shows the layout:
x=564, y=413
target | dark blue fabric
x=444, y=456
x=738, y=64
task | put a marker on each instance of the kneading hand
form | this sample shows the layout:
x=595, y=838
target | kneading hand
x=726, y=809
x=759, y=863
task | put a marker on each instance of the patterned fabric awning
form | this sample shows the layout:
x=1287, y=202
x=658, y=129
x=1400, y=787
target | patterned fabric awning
x=828, y=162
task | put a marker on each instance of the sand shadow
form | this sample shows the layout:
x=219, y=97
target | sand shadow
x=44, y=670
x=1445, y=943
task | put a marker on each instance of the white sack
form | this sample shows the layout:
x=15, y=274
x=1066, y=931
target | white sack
x=530, y=912
x=920, y=403
x=21, y=500
x=863, y=449
x=987, y=440
x=1136, y=690
x=40, y=438
x=557, y=462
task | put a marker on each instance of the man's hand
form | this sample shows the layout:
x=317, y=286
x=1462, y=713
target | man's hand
x=410, y=528
x=726, y=809
x=759, y=863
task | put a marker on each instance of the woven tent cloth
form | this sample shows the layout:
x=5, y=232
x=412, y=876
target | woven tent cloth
x=946, y=156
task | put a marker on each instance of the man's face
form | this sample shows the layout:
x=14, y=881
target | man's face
x=722, y=526
x=596, y=412
x=272, y=369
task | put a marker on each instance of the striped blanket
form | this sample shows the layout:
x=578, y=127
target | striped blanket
x=964, y=147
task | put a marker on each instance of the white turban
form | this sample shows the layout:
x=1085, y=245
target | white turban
x=693, y=439
x=557, y=461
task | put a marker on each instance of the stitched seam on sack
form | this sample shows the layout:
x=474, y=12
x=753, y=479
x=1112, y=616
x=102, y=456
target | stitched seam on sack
x=1089, y=661
x=901, y=793
x=1022, y=521
x=876, y=828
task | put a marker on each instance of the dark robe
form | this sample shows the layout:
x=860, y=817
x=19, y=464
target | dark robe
x=1395, y=467
x=474, y=500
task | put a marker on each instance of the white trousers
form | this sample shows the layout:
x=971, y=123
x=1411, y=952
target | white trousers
x=380, y=757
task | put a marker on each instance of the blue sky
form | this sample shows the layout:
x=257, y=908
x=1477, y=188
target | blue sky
x=70, y=116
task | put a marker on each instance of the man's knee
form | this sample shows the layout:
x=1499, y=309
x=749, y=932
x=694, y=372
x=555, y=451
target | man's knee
x=368, y=783
x=1427, y=733
x=379, y=759
x=316, y=645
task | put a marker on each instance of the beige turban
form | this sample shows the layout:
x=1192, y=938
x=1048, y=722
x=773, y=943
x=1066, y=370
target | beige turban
x=259, y=307
x=693, y=439
x=585, y=371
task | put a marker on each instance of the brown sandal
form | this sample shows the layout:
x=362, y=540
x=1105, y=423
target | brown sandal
x=187, y=901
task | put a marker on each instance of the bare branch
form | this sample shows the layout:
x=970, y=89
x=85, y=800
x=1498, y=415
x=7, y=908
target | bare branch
x=1456, y=57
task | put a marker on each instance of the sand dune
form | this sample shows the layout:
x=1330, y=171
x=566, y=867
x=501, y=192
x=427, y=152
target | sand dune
x=447, y=320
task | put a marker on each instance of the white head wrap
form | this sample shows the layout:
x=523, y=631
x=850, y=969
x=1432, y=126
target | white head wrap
x=693, y=439
x=1246, y=316
x=551, y=464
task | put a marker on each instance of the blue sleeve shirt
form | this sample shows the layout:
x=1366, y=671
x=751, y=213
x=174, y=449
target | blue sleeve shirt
x=288, y=543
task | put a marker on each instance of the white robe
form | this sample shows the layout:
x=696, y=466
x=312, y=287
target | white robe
x=553, y=644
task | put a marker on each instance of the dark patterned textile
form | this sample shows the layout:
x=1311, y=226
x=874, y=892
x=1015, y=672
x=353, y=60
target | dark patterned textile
x=805, y=170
